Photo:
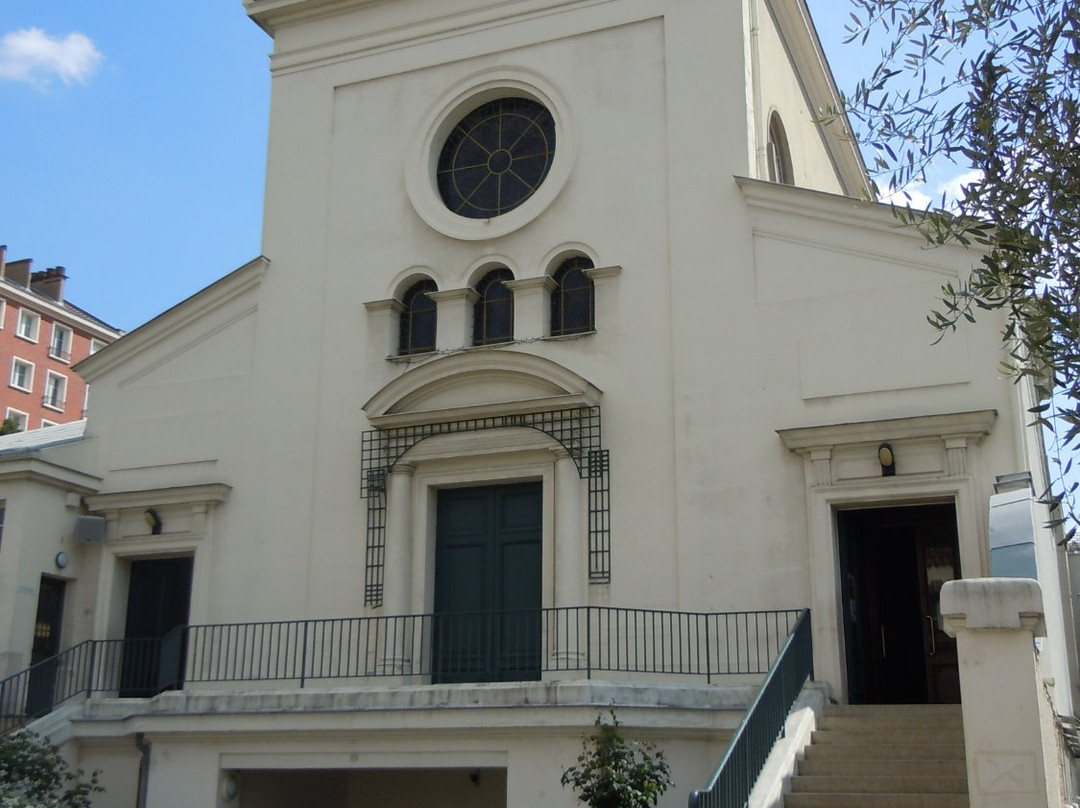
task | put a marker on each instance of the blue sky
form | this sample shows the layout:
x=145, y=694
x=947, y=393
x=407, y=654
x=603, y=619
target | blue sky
x=134, y=143
x=133, y=152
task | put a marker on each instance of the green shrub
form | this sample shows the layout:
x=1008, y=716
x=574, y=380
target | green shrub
x=614, y=772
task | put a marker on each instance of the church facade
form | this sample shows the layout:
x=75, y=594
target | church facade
x=572, y=351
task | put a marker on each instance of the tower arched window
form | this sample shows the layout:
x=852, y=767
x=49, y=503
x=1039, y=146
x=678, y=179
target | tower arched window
x=417, y=326
x=777, y=152
x=572, y=300
x=493, y=315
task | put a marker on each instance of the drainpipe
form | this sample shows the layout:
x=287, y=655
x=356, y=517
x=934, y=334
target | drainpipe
x=144, y=769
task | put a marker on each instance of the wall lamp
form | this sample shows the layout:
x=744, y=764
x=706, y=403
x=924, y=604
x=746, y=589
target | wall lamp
x=887, y=460
x=153, y=521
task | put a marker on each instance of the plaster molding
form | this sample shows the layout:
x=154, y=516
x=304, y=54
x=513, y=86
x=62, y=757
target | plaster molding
x=205, y=494
x=390, y=305
x=401, y=402
x=973, y=426
x=602, y=273
x=468, y=294
x=545, y=282
x=31, y=468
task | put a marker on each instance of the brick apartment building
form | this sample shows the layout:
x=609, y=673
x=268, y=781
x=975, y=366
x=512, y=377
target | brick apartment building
x=42, y=338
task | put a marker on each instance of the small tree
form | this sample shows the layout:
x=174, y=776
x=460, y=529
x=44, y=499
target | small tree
x=614, y=772
x=8, y=426
x=33, y=775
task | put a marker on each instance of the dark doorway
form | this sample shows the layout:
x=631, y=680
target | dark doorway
x=159, y=594
x=488, y=584
x=893, y=563
x=41, y=689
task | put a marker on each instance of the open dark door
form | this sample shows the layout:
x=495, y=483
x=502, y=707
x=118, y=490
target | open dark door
x=159, y=595
x=893, y=563
x=487, y=584
x=41, y=689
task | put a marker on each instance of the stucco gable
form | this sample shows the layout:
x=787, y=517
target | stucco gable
x=209, y=335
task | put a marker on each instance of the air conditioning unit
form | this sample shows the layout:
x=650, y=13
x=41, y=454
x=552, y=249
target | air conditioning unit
x=89, y=529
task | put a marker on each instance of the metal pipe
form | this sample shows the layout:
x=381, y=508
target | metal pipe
x=144, y=769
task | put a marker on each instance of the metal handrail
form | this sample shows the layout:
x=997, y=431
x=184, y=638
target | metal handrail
x=734, y=778
x=435, y=648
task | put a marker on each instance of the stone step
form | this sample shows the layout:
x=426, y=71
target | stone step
x=876, y=801
x=847, y=751
x=906, y=784
x=890, y=737
x=893, y=710
x=884, y=756
x=897, y=722
x=885, y=767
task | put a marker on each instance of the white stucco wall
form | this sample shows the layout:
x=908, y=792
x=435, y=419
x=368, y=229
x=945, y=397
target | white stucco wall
x=732, y=309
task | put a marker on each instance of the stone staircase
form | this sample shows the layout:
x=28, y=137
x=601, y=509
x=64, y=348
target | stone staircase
x=884, y=756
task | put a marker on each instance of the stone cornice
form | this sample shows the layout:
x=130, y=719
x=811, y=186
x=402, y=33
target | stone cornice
x=31, y=467
x=973, y=425
x=207, y=493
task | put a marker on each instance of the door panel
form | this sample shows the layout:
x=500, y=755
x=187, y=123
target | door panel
x=41, y=689
x=159, y=597
x=894, y=562
x=488, y=584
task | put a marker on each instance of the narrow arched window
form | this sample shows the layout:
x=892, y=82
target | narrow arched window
x=777, y=152
x=572, y=306
x=493, y=315
x=417, y=327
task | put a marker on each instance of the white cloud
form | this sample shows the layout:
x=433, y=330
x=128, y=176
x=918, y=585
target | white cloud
x=33, y=56
x=908, y=196
x=954, y=188
x=915, y=195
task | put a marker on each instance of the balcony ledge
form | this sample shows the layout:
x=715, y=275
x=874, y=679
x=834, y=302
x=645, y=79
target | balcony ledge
x=704, y=708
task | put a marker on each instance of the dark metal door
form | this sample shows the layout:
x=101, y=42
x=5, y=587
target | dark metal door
x=894, y=562
x=488, y=584
x=159, y=595
x=41, y=689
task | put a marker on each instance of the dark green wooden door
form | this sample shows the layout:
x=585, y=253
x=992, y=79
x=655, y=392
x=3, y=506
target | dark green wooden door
x=487, y=584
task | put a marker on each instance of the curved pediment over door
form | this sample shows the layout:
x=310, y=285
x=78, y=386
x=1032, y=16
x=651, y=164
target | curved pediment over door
x=483, y=384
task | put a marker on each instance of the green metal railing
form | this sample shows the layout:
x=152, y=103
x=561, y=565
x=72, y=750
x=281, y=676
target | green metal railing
x=590, y=641
x=741, y=765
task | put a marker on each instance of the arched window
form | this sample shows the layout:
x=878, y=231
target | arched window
x=493, y=315
x=417, y=326
x=777, y=152
x=572, y=309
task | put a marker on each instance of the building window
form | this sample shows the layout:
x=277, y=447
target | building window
x=22, y=375
x=46, y=423
x=573, y=309
x=496, y=157
x=60, y=344
x=493, y=314
x=417, y=326
x=29, y=323
x=777, y=152
x=3, y=312
x=15, y=421
x=55, y=391
x=95, y=346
